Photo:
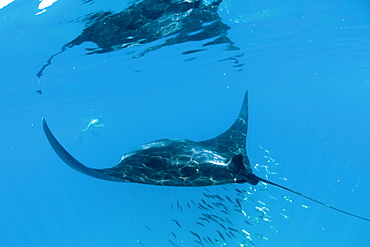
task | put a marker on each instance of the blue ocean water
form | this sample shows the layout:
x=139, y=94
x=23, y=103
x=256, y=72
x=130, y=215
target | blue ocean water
x=306, y=67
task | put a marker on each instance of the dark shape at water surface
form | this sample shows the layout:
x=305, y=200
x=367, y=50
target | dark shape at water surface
x=177, y=21
x=181, y=162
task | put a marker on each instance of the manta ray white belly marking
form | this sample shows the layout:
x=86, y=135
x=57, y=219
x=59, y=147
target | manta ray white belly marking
x=181, y=162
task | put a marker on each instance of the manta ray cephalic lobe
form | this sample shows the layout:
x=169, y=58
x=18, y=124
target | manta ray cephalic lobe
x=181, y=162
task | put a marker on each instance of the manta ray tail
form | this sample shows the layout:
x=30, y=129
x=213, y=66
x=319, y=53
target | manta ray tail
x=69, y=159
x=255, y=178
x=41, y=71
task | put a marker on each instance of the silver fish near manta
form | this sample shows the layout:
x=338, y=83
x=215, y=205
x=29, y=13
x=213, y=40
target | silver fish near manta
x=181, y=162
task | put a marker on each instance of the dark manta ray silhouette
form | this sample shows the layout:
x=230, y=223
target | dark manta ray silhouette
x=178, y=21
x=181, y=162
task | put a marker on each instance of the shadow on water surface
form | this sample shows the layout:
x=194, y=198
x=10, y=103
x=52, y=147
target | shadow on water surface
x=174, y=21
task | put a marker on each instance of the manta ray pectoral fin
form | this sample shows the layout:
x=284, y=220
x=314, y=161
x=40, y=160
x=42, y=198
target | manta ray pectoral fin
x=233, y=140
x=69, y=159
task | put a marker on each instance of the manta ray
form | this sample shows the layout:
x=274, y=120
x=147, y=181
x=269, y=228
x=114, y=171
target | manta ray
x=181, y=162
x=167, y=21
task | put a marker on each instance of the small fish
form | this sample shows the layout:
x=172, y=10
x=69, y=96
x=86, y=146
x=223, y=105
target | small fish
x=188, y=205
x=227, y=234
x=215, y=216
x=201, y=224
x=244, y=213
x=239, y=191
x=177, y=223
x=219, y=197
x=229, y=221
x=232, y=229
x=260, y=202
x=206, y=195
x=204, y=219
x=221, y=235
x=228, y=198
x=232, y=234
x=260, y=236
x=245, y=232
x=246, y=221
x=174, y=235
x=218, y=204
x=273, y=228
x=196, y=235
x=239, y=202
x=172, y=243
x=225, y=212
x=206, y=240
x=211, y=218
x=212, y=196
x=147, y=227
x=200, y=206
x=196, y=241
x=39, y=91
x=285, y=216
x=219, y=218
x=138, y=241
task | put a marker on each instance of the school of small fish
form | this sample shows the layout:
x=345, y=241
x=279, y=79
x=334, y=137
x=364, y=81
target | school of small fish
x=230, y=215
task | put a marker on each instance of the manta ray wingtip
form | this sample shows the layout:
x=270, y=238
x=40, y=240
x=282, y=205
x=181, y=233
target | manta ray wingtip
x=44, y=123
